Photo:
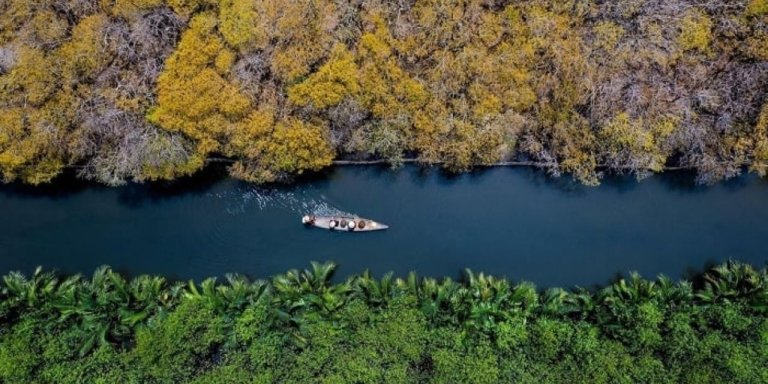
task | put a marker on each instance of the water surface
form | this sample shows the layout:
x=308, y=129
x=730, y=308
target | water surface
x=513, y=222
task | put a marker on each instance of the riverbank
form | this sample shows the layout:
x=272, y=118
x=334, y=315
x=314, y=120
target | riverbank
x=300, y=327
x=532, y=164
x=419, y=162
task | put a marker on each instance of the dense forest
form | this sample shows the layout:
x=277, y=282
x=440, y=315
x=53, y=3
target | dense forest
x=300, y=327
x=150, y=89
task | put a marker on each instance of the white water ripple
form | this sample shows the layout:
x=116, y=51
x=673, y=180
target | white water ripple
x=299, y=202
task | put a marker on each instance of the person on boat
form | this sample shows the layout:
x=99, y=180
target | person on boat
x=333, y=223
x=308, y=219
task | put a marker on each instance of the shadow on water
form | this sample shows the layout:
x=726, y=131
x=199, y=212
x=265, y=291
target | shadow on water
x=419, y=175
x=386, y=173
x=693, y=273
x=132, y=194
x=137, y=194
x=680, y=181
x=65, y=185
x=738, y=182
x=542, y=179
x=474, y=177
x=685, y=181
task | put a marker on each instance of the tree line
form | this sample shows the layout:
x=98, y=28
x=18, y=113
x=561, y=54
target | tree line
x=149, y=89
x=301, y=327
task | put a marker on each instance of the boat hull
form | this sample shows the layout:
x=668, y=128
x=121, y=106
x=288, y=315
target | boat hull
x=343, y=224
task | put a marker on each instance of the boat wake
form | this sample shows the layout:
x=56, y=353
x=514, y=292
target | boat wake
x=299, y=202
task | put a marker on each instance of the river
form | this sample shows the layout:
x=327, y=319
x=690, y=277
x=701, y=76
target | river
x=513, y=222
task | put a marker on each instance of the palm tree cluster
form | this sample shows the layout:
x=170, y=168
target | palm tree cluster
x=307, y=326
x=107, y=308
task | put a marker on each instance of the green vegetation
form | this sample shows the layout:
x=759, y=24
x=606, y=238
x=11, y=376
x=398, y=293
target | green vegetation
x=149, y=89
x=300, y=328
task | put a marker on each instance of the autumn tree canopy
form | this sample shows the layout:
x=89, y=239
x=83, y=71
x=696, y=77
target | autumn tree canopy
x=150, y=89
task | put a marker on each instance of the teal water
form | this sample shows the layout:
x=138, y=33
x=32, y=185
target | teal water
x=513, y=222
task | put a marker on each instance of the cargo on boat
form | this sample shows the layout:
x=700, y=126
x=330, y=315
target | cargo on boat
x=342, y=223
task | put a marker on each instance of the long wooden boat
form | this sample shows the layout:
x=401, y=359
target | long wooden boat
x=342, y=223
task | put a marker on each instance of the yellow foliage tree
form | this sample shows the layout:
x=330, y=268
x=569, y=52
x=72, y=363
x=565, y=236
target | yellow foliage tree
x=386, y=89
x=193, y=97
x=303, y=31
x=45, y=28
x=196, y=98
x=334, y=81
x=83, y=55
x=295, y=146
x=34, y=115
x=239, y=20
x=14, y=14
x=289, y=147
x=696, y=31
x=559, y=132
x=187, y=8
x=467, y=145
x=26, y=150
x=627, y=143
x=127, y=8
x=757, y=7
x=12, y=148
x=31, y=80
x=760, y=151
x=607, y=35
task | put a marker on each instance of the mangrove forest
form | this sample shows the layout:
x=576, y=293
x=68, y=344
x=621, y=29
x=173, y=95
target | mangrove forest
x=139, y=90
x=305, y=327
